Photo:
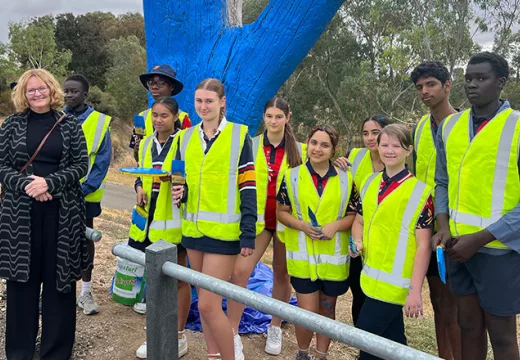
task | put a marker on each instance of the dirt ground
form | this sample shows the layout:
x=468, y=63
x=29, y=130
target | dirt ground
x=117, y=331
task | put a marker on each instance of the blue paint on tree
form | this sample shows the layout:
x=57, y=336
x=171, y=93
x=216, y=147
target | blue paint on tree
x=253, y=61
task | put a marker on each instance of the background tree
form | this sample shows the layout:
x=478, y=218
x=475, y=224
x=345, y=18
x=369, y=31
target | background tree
x=33, y=45
x=128, y=61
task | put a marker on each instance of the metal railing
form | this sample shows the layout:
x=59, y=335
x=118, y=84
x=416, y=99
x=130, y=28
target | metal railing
x=162, y=274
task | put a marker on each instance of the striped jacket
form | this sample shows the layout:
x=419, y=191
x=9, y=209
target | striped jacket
x=15, y=221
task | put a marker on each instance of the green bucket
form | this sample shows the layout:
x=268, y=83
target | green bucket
x=129, y=280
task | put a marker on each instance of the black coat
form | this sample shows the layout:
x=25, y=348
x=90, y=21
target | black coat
x=15, y=221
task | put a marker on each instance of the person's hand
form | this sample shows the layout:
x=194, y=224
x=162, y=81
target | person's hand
x=442, y=237
x=464, y=247
x=136, y=148
x=37, y=187
x=342, y=163
x=359, y=248
x=44, y=197
x=141, y=197
x=311, y=231
x=413, y=307
x=177, y=194
x=329, y=231
x=245, y=252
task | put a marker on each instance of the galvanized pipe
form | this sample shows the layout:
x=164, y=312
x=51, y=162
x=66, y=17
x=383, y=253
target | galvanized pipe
x=341, y=332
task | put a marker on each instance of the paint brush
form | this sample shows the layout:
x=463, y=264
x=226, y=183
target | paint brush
x=178, y=172
x=139, y=126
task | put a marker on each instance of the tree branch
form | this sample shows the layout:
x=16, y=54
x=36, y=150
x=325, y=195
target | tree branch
x=234, y=9
x=196, y=38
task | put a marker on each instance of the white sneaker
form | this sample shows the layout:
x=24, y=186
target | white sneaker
x=239, y=355
x=141, y=352
x=140, y=308
x=273, y=344
x=183, y=346
x=87, y=303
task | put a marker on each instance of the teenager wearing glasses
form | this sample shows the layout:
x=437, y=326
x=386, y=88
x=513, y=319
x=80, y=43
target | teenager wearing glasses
x=159, y=82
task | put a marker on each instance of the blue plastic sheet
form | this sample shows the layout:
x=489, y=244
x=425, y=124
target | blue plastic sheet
x=253, y=321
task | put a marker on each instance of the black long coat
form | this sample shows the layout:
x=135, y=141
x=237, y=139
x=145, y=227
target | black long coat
x=15, y=221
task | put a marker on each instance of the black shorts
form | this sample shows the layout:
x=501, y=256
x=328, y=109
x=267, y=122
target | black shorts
x=433, y=269
x=329, y=288
x=141, y=246
x=495, y=279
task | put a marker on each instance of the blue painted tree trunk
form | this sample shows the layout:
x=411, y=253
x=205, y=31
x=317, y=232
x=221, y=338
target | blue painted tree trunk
x=253, y=61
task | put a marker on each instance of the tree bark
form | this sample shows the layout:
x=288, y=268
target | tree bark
x=199, y=40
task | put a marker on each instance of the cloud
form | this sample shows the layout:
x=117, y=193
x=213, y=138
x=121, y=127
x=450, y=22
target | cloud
x=14, y=11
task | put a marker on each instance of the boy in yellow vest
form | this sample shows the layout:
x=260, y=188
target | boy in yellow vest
x=96, y=127
x=478, y=211
x=433, y=84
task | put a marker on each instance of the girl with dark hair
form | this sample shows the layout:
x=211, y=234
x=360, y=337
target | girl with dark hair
x=275, y=151
x=363, y=162
x=317, y=204
x=154, y=201
x=219, y=211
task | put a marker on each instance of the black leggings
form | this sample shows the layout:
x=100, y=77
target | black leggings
x=58, y=309
x=358, y=296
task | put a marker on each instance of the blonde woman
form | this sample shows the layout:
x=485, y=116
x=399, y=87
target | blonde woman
x=43, y=156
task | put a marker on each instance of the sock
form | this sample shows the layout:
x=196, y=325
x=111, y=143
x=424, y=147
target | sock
x=320, y=355
x=85, y=287
x=303, y=351
x=214, y=356
x=180, y=334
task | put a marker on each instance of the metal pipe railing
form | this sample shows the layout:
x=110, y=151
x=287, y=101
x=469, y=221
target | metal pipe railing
x=341, y=332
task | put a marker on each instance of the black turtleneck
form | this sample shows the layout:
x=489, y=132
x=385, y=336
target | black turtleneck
x=48, y=159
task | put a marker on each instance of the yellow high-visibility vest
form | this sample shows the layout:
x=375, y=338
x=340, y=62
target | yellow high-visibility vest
x=95, y=128
x=213, y=206
x=317, y=259
x=262, y=178
x=362, y=165
x=166, y=223
x=424, y=144
x=483, y=173
x=389, y=243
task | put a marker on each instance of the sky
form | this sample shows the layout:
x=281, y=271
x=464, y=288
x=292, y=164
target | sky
x=16, y=10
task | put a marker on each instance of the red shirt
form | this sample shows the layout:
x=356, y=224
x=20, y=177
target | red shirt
x=274, y=156
x=389, y=184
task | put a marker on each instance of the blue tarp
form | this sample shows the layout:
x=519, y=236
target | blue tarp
x=253, y=321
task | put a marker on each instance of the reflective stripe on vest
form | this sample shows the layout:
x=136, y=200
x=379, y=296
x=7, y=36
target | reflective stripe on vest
x=230, y=217
x=95, y=128
x=501, y=180
x=302, y=253
x=395, y=278
x=389, y=237
x=362, y=165
x=166, y=220
x=357, y=160
x=426, y=152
